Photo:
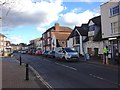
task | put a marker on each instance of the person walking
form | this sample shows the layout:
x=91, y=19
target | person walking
x=117, y=56
x=105, y=55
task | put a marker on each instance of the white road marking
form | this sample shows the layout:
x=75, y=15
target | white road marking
x=66, y=66
x=99, y=78
x=94, y=76
x=41, y=79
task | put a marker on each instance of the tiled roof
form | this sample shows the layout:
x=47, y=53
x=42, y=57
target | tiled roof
x=96, y=20
x=2, y=35
x=64, y=29
x=62, y=36
x=83, y=30
x=61, y=29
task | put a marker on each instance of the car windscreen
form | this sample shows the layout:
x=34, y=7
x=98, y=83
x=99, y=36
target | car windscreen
x=69, y=50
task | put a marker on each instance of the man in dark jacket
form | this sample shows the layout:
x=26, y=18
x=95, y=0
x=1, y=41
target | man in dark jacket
x=117, y=56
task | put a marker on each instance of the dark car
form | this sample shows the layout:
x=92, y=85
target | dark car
x=45, y=53
x=51, y=54
x=33, y=52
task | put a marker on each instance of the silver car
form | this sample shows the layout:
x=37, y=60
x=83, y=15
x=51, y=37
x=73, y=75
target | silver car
x=69, y=54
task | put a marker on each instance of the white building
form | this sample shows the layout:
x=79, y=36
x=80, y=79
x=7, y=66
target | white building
x=110, y=18
x=76, y=38
x=94, y=44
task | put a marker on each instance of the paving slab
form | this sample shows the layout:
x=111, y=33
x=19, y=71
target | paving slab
x=13, y=75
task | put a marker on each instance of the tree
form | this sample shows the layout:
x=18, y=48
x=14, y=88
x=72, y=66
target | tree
x=8, y=4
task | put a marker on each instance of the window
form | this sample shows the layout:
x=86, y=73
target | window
x=48, y=40
x=1, y=38
x=1, y=43
x=114, y=27
x=62, y=42
x=43, y=35
x=114, y=11
x=77, y=40
x=48, y=34
x=92, y=28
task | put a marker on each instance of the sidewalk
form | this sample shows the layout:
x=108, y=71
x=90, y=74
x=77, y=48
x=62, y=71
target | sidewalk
x=13, y=75
x=99, y=62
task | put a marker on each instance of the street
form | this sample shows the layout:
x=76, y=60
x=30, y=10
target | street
x=61, y=74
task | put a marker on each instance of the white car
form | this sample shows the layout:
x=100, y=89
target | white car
x=69, y=54
x=23, y=51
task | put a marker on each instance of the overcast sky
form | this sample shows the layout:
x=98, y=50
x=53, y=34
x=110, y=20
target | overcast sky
x=24, y=20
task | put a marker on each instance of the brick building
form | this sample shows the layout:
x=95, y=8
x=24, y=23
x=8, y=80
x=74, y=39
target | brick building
x=56, y=36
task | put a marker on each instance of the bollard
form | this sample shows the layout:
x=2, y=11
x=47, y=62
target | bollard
x=27, y=72
x=20, y=61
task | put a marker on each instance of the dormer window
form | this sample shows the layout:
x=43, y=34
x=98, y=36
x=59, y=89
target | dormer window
x=92, y=28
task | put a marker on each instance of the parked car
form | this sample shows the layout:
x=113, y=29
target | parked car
x=45, y=53
x=68, y=54
x=33, y=51
x=38, y=52
x=23, y=51
x=30, y=52
x=51, y=54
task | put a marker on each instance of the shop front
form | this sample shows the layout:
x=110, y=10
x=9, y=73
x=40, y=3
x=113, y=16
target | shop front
x=114, y=43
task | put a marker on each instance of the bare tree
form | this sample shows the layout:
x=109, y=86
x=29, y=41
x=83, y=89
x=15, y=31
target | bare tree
x=8, y=4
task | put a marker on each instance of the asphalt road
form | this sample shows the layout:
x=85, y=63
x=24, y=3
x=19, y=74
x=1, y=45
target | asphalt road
x=61, y=74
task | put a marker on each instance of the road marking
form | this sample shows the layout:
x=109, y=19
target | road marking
x=94, y=76
x=99, y=78
x=40, y=78
x=66, y=66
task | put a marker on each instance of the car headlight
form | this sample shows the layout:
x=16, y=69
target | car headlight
x=68, y=55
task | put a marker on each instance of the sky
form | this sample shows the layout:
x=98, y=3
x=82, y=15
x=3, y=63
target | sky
x=25, y=20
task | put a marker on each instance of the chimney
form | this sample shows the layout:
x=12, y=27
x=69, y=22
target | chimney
x=57, y=26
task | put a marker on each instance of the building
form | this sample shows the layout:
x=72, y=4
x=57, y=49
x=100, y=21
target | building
x=8, y=46
x=59, y=40
x=110, y=18
x=15, y=47
x=56, y=36
x=23, y=46
x=2, y=43
x=31, y=45
x=38, y=44
x=94, y=44
x=77, y=37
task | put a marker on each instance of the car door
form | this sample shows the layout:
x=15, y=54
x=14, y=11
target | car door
x=59, y=54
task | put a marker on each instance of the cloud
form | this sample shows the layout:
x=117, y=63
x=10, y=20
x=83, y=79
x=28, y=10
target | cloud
x=72, y=18
x=41, y=29
x=76, y=10
x=16, y=39
x=25, y=12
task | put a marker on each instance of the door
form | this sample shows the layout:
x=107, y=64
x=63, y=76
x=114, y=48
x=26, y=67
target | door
x=96, y=52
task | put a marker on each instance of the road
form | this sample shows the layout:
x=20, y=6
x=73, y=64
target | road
x=61, y=74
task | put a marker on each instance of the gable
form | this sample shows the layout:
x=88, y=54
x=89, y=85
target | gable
x=91, y=23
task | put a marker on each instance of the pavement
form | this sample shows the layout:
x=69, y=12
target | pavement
x=13, y=75
x=97, y=61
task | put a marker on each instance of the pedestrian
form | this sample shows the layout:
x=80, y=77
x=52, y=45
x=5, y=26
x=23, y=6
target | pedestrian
x=105, y=55
x=117, y=56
